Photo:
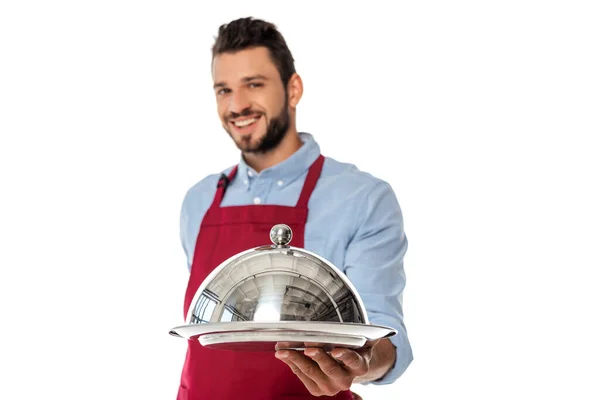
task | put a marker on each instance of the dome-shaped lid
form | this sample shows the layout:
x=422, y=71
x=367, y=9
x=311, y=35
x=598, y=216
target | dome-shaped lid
x=275, y=283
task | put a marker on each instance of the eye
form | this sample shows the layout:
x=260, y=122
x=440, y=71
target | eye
x=255, y=85
x=223, y=91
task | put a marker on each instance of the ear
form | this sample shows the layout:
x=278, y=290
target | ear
x=295, y=90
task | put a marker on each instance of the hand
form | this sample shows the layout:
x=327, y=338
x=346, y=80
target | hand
x=327, y=375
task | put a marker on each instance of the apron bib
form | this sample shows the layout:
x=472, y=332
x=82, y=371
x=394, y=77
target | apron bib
x=226, y=375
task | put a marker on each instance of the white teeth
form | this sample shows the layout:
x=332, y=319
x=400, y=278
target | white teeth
x=245, y=122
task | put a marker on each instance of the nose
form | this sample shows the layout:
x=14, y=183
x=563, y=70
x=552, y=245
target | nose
x=238, y=102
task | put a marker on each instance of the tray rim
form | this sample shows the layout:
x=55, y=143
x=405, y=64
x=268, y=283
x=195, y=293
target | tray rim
x=349, y=341
x=369, y=331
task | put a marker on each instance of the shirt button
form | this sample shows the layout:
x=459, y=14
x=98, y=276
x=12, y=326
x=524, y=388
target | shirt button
x=249, y=173
x=256, y=200
x=280, y=183
x=246, y=182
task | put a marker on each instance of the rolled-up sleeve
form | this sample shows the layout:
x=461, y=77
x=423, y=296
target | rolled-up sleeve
x=374, y=263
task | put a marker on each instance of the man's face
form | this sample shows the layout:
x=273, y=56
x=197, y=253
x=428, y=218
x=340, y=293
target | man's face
x=251, y=99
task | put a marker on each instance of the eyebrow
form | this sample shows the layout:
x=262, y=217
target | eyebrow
x=245, y=79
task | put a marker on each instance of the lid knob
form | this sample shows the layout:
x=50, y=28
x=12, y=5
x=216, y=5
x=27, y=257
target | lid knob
x=281, y=235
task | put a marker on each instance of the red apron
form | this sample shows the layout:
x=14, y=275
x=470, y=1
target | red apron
x=225, y=231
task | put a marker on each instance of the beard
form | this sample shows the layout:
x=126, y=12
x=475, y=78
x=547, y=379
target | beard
x=276, y=131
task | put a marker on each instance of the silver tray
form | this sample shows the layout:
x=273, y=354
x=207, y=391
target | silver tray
x=271, y=336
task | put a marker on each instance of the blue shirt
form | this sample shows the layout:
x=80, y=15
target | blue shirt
x=354, y=221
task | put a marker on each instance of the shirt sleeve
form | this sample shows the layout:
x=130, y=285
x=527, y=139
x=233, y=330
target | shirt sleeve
x=374, y=264
x=183, y=218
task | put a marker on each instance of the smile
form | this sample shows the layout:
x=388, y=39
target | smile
x=245, y=122
x=246, y=125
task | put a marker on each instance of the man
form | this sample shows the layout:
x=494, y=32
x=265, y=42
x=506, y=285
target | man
x=347, y=216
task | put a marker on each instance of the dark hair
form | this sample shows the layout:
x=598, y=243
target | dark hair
x=245, y=33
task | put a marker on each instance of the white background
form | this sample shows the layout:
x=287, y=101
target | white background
x=484, y=116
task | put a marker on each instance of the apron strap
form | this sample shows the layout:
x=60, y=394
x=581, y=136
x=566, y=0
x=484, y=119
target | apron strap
x=224, y=181
x=314, y=172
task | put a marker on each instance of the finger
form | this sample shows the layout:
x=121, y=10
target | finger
x=353, y=361
x=309, y=383
x=367, y=350
x=307, y=366
x=366, y=353
x=369, y=344
x=330, y=367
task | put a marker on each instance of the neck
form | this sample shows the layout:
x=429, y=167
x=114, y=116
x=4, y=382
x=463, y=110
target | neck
x=288, y=146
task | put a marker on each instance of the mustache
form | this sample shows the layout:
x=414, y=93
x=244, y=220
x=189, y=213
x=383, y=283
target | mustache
x=244, y=113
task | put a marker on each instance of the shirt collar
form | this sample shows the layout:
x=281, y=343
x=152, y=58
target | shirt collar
x=289, y=169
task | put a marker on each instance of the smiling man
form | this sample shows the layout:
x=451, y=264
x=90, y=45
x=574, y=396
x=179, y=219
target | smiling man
x=347, y=216
x=254, y=104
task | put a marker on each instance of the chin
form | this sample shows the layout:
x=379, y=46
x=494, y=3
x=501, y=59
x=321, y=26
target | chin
x=250, y=146
x=251, y=139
